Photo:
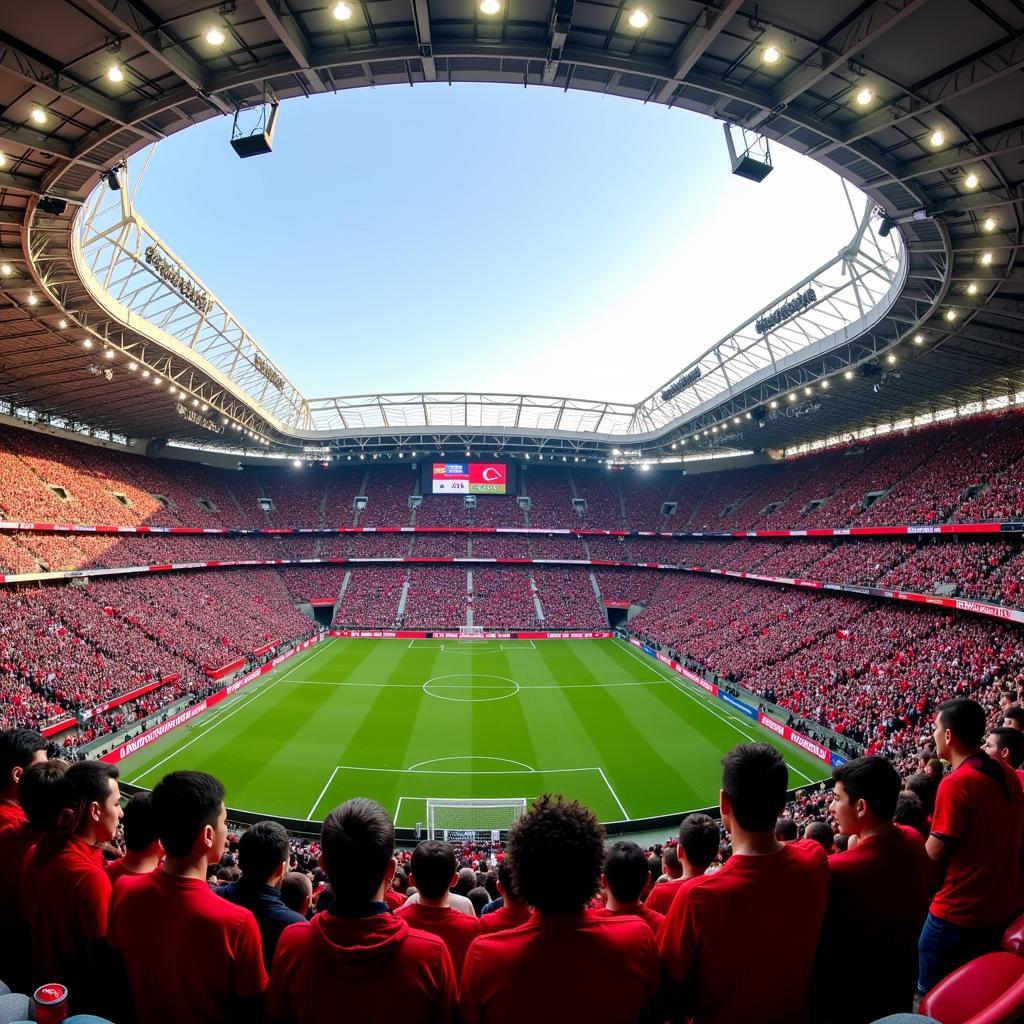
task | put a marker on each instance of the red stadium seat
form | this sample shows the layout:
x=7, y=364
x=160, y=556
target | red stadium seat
x=989, y=990
x=1013, y=938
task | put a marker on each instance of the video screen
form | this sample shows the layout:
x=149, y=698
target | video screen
x=469, y=478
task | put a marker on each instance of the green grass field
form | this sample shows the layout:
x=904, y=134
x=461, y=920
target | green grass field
x=401, y=721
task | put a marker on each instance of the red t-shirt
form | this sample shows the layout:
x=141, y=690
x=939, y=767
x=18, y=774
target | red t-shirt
x=580, y=967
x=372, y=968
x=115, y=869
x=189, y=954
x=981, y=818
x=457, y=930
x=644, y=912
x=507, y=916
x=65, y=894
x=11, y=815
x=1020, y=775
x=393, y=898
x=718, y=933
x=878, y=899
x=662, y=895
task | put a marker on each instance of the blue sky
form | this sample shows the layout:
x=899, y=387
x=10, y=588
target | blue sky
x=488, y=237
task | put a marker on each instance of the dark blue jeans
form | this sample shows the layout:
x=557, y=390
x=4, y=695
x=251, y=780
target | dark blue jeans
x=943, y=947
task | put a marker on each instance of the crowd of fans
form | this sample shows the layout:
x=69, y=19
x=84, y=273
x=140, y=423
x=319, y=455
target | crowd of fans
x=886, y=889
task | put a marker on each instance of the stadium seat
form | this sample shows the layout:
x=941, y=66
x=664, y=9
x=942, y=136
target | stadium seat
x=1013, y=937
x=989, y=990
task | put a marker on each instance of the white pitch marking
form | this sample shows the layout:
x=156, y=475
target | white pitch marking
x=445, y=771
x=266, y=689
x=614, y=795
x=312, y=809
x=469, y=757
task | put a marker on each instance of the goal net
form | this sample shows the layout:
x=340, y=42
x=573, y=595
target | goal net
x=457, y=821
x=471, y=632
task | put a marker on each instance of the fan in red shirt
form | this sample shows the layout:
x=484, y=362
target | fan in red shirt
x=976, y=838
x=878, y=898
x=1005, y=744
x=433, y=870
x=716, y=942
x=698, y=846
x=581, y=966
x=357, y=954
x=625, y=873
x=18, y=749
x=66, y=892
x=41, y=794
x=143, y=851
x=189, y=955
x=513, y=911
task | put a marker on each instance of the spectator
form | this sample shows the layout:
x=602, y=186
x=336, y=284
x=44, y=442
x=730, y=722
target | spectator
x=699, y=837
x=297, y=892
x=18, y=749
x=821, y=833
x=587, y=968
x=1005, y=744
x=479, y=897
x=263, y=858
x=699, y=941
x=976, y=836
x=878, y=898
x=189, y=955
x=143, y=851
x=512, y=912
x=909, y=812
x=785, y=830
x=41, y=796
x=356, y=954
x=433, y=872
x=1013, y=718
x=625, y=874
x=65, y=891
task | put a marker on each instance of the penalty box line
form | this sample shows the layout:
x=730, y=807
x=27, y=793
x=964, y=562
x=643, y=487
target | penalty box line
x=448, y=771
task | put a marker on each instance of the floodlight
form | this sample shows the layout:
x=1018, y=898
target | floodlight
x=864, y=97
x=986, y=259
x=771, y=54
x=950, y=315
x=490, y=6
x=938, y=137
x=341, y=12
x=971, y=180
x=972, y=289
x=6, y=269
x=115, y=74
x=639, y=18
x=214, y=36
x=3, y=159
x=38, y=115
x=989, y=224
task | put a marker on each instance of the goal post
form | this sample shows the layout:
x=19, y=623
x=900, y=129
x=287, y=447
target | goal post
x=472, y=820
x=471, y=632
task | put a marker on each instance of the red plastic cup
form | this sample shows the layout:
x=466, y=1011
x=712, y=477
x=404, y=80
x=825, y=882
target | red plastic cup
x=51, y=1003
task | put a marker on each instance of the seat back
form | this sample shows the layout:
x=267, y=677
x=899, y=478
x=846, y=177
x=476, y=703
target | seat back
x=988, y=990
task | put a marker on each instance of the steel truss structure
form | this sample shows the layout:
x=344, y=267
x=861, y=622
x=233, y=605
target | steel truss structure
x=914, y=102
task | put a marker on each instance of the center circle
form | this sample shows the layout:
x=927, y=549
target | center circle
x=470, y=688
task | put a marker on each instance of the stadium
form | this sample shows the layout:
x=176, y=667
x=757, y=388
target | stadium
x=804, y=544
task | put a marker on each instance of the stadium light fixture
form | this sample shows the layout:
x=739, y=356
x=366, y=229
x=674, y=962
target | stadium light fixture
x=848, y=375
x=32, y=299
x=490, y=6
x=673, y=446
x=986, y=259
x=890, y=358
x=937, y=138
x=972, y=289
x=145, y=373
x=771, y=54
x=988, y=224
x=6, y=269
x=115, y=74
x=133, y=366
x=919, y=338
x=214, y=36
x=3, y=159
x=808, y=391
x=791, y=396
x=864, y=97
x=157, y=382
x=108, y=353
x=971, y=180
x=773, y=404
x=38, y=115
x=639, y=19
x=87, y=343
x=341, y=12
x=824, y=385
x=62, y=324
x=297, y=463
x=736, y=420
x=195, y=401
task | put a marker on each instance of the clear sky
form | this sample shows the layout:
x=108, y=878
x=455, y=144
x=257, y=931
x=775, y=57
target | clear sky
x=485, y=237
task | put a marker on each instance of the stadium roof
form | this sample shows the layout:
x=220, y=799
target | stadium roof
x=915, y=102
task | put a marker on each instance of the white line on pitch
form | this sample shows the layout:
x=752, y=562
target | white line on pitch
x=614, y=795
x=704, y=704
x=266, y=689
x=481, y=686
x=312, y=809
x=443, y=771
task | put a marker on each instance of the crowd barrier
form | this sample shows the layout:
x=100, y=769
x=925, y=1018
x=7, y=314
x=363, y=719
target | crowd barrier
x=406, y=634
x=798, y=739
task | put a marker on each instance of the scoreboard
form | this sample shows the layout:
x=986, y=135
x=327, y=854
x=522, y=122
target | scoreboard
x=469, y=478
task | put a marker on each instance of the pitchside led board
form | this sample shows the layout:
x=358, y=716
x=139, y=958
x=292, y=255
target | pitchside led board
x=470, y=478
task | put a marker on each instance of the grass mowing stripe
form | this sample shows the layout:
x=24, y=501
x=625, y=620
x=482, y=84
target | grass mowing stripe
x=323, y=645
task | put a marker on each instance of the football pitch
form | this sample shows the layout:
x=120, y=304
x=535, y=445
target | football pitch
x=404, y=720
